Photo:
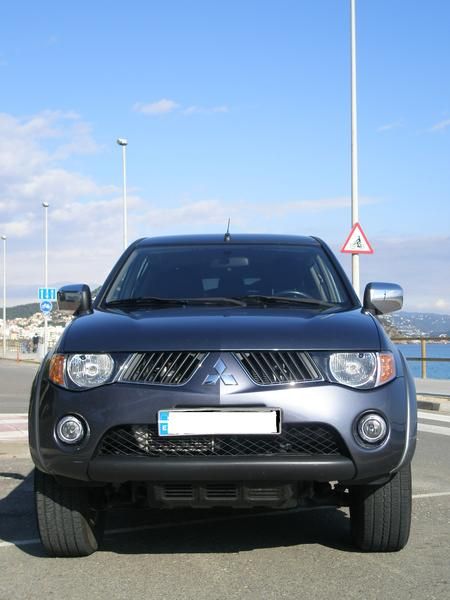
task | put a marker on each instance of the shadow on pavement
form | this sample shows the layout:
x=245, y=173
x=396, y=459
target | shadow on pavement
x=17, y=519
x=233, y=531
x=183, y=531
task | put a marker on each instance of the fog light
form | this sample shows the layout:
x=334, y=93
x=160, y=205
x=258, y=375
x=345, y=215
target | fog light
x=372, y=428
x=70, y=430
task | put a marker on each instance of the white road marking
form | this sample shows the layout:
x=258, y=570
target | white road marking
x=12, y=435
x=433, y=429
x=13, y=416
x=20, y=543
x=433, y=416
x=431, y=495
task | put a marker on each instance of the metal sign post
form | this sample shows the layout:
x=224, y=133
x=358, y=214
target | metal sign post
x=4, y=295
x=45, y=206
x=354, y=149
x=124, y=142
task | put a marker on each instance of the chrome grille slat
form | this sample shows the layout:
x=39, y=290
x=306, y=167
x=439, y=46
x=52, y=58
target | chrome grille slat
x=162, y=368
x=278, y=367
x=260, y=367
x=165, y=375
x=180, y=366
x=296, y=365
x=198, y=356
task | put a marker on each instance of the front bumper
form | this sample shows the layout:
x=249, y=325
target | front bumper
x=113, y=469
x=117, y=404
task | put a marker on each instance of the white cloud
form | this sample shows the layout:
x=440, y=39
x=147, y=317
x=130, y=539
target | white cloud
x=192, y=110
x=161, y=107
x=33, y=150
x=441, y=126
x=442, y=304
x=390, y=126
x=166, y=106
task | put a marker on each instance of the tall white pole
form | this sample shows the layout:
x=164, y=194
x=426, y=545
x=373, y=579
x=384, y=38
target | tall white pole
x=45, y=206
x=4, y=295
x=354, y=151
x=123, y=142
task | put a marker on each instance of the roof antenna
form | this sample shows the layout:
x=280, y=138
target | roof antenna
x=227, y=236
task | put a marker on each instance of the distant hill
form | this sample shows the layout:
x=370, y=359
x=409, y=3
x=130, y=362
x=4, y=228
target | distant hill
x=23, y=311
x=412, y=324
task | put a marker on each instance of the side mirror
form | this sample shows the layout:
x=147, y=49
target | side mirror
x=75, y=299
x=382, y=298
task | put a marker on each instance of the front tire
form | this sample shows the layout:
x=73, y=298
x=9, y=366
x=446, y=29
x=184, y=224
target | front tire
x=381, y=514
x=68, y=523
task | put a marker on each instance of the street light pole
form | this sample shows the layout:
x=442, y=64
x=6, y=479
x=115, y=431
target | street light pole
x=124, y=142
x=45, y=206
x=354, y=146
x=4, y=295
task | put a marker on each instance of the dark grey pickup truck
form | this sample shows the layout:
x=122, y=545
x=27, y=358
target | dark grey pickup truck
x=213, y=371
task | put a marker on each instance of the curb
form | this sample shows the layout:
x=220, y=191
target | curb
x=434, y=402
x=27, y=361
x=428, y=405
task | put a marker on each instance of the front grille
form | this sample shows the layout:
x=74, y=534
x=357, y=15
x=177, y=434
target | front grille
x=224, y=494
x=163, y=368
x=274, y=368
x=220, y=492
x=143, y=440
x=178, y=491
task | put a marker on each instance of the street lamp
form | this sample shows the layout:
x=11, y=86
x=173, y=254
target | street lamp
x=4, y=295
x=45, y=206
x=123, y=142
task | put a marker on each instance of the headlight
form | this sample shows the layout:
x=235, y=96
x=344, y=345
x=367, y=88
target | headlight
x=362, y=369
x=89, y=370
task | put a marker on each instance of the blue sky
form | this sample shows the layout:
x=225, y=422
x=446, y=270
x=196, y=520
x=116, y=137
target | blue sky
x=231, y=108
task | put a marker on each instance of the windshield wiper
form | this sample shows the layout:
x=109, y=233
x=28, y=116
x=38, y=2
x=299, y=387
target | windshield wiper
x=146, y=301
x=213, y=300
x=261, y=299
x=155, y=301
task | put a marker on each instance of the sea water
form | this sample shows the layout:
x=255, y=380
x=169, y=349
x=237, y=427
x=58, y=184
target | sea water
x=435, y=370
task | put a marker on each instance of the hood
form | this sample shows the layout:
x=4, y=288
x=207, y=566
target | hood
x=213, y=329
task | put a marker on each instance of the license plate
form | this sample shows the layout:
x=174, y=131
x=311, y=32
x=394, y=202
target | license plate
x=218, y=422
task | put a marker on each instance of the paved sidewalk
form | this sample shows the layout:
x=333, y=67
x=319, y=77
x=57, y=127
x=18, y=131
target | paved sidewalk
x=433, y=387
x=13, y=427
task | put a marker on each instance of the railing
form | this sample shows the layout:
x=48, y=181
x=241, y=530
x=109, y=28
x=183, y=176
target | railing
x=23, y=349
x=423, y=359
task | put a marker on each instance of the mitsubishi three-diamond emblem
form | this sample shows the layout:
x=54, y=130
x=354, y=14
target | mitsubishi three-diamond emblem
x=220, y=367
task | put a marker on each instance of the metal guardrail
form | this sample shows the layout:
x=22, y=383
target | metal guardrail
x=23, y=349
x=423, y=359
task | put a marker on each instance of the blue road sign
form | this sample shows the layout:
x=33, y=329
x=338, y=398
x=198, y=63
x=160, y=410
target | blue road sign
x=47, y=293
x=46, y=307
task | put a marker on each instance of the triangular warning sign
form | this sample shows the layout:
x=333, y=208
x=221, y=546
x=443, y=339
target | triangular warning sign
x=357, y=243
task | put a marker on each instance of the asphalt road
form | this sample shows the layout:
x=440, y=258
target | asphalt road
x=218, y=555
x=15, y=384
x=230, y=555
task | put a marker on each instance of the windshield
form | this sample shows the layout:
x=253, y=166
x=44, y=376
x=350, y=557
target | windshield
x=254, y=272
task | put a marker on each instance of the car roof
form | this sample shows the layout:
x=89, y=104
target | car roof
x=235, y=238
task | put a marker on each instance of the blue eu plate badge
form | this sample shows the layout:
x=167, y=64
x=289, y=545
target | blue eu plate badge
x=163, y=422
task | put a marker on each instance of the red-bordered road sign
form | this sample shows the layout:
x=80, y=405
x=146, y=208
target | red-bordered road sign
x=357, y=242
